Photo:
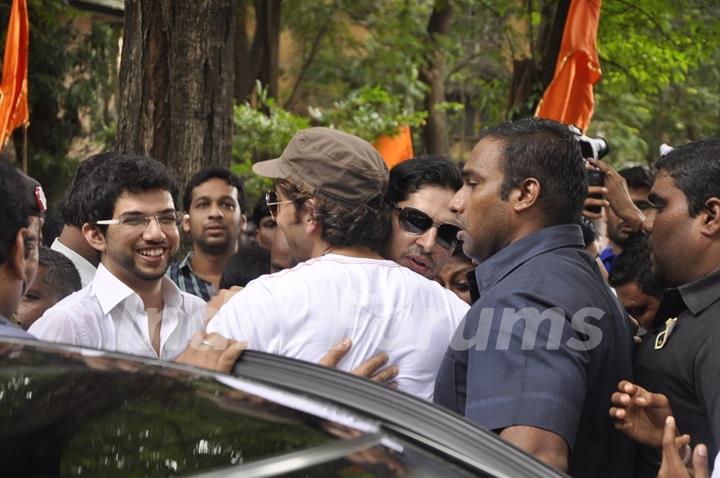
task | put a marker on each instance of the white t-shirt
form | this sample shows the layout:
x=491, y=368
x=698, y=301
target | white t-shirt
x=382, y=306
x=83, y=266
x=107, y=314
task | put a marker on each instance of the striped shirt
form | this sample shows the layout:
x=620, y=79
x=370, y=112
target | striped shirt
x=182, y=274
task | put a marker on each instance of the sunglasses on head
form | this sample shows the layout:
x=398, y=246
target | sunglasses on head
x=415, y=221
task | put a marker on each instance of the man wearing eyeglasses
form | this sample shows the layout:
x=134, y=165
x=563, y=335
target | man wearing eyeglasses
x=329, y=204
x=424, y=229
x=130, y=306
x=546, y=342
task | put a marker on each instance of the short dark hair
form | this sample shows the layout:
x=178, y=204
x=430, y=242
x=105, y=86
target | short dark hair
x=549, y=152
x=410, y=176
x=211, y=173
x=52, y=227
x=245, y=265
x=634, y=264
x=76, y=198
x=637, y=177
x=260, y=211
x=14, y=211
x=695, y=169
x=589, y=233
x=343, y=224
x=124, y=173
x=61, y=274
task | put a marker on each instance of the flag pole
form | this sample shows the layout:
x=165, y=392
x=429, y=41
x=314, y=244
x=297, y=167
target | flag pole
x=25, y=148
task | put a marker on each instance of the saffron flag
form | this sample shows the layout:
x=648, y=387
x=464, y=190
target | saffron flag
x=397, y=148
x=13, y=89
x=569, y=97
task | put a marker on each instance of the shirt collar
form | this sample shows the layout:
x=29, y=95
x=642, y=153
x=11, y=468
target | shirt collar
x=70, y=254
x=496, y=267
x=111, y=291
x=185, y=263
x=607, y=253
x=171, y=294
x=701, y=293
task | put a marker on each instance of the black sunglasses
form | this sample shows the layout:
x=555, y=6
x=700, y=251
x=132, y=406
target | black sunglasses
x=415, y=221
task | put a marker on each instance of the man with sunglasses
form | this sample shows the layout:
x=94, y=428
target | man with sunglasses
x=130, y=306
x=545, y=344
x=329, y=204
x=424, y=229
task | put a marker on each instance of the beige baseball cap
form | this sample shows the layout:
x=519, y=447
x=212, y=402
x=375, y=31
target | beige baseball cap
x=337, y=165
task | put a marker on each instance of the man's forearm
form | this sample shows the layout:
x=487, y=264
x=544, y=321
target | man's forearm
x=546, y=446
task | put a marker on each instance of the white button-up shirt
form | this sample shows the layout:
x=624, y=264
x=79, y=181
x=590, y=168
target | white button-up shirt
x=108, y=315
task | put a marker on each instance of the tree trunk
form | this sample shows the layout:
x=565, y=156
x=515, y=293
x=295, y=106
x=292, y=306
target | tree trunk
x=435, y=133
x=243, y=86
x=176, y=83
x=531, y=76
x=269, y=70
x=261, y=60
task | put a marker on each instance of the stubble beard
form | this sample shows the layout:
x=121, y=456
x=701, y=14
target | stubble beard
x=218, y=249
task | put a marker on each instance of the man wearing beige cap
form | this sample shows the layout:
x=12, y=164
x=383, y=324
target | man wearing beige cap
x=328, y=201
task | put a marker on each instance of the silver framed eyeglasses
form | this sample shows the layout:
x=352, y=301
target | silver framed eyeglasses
x=272, y=201
x=164, y=220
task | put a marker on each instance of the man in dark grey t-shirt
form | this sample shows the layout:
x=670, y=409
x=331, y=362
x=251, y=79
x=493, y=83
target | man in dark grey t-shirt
x=542, y=349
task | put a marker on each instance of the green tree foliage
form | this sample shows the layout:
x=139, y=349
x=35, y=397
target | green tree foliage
x=71, y=77
x=345, y=45
x=660, y=75
x=263, y=130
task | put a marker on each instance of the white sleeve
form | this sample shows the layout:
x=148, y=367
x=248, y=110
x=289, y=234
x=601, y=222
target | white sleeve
x=458, y=307
x=56, y=325
x=249, y=315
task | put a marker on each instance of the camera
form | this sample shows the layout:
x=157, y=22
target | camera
x=595, y=148
x=595, y=178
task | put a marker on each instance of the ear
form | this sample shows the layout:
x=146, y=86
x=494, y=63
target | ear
x=711, y=217
x=186, y=223
x=525, y=195
x=243, y=222
x=94, y=237
x=18, y=254
x=307, y=213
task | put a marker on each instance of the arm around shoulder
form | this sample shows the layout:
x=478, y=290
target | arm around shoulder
x=247, y=315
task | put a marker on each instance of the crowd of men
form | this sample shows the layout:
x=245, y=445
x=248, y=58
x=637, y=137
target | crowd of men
x=483, y=288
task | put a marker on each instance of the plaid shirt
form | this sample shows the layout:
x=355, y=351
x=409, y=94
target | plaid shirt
x=181, y=273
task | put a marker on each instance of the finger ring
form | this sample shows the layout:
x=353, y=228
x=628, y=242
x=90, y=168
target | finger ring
x=205, y=342
x=687, y=454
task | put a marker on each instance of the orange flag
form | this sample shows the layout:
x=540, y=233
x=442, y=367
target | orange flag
x=13, y=89
x=569, y=97
x=397, y=148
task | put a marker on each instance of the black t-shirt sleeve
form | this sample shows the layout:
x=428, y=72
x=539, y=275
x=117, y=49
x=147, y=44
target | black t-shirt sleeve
x=707, y=380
